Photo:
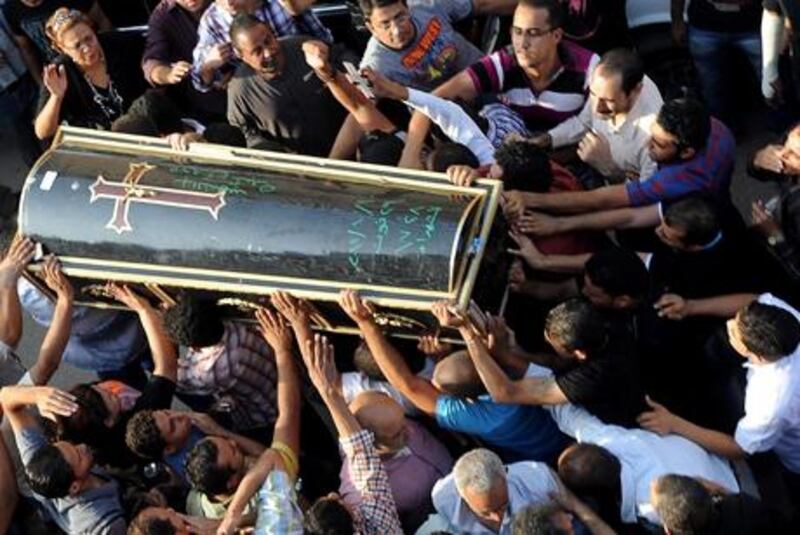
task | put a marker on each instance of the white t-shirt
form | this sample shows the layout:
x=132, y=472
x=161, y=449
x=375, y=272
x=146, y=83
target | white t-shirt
x=772, y=404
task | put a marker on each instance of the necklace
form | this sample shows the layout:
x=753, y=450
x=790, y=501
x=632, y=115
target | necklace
x=110, y=103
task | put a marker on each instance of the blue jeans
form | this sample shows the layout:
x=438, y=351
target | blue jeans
x=710, y=51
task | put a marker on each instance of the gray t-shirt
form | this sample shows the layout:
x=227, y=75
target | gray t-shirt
x=437, y=52
x=94, y=512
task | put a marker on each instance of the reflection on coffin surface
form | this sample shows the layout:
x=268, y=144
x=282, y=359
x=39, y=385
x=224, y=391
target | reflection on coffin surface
x=240, y=224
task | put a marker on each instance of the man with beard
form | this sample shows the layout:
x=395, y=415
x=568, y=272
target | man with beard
x=276, y=96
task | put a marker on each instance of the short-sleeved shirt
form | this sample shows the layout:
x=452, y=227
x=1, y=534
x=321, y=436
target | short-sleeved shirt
x=517, y=432
x=729, y=16
x=772, y=404
x=499, y=75
x=294, y=108
x=606, y=385
x=29, y=21
x=709, y=173
x=437, y=52
x=96, y=511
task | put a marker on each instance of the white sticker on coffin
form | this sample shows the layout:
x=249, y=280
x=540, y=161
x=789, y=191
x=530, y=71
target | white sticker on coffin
x=47, y=181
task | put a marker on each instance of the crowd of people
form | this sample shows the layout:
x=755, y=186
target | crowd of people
x=644, y=376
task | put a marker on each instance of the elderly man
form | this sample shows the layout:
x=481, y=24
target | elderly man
x=214, y=58
x=405, y=447
x=482, y=495
x=613, y=128
x=275, y=94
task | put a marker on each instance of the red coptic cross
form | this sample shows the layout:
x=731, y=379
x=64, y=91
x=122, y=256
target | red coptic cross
x=129, y=191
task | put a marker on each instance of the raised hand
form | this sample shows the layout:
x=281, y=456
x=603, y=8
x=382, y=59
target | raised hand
x=125, y=295
x=537, y=224
x=53, y=402
x=448, y=316
x=354, y=306
x=527, y=250
x=54, y=78
x=433, y=347
x=317, y=55
x=461, y=175
x=19, y=254
x=672, y=306
x=293, y=309
x=178, y=71
x=321, y=366
x=55, y=279
x=275, y=330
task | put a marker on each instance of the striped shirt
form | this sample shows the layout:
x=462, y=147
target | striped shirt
x=215, y=25
x=708, y=173
x=500, y=75
x=241, y=369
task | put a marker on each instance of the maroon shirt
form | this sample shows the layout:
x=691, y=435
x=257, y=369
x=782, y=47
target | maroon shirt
x=171, y=37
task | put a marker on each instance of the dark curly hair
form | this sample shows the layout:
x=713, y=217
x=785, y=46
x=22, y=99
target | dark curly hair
x=143, y=437
x=768, y=331
x=194, y=322
x=526, y=167
x=87, y=424
x=203, y=471
x=688, y=120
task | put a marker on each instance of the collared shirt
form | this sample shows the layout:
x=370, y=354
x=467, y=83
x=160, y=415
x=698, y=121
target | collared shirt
x=628, y=140
x=240, y=367
x=375, y=513
x=99, y=340
x=425, y=457
x=529, y=483
x=644, y=457
x=215, y=25
x=772, y=404
x=499, y=74
x=709, y=172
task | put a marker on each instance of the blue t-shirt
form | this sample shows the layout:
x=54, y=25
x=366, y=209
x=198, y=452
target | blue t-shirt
x=96, y=511
x=519, y=432
x=177, y=460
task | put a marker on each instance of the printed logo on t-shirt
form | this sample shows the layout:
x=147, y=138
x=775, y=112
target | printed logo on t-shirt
x=432, y=56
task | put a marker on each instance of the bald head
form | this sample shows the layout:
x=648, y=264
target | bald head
x=383, y=416
x=456, y=375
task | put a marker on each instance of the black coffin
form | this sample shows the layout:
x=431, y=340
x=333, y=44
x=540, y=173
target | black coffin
x=239, y=224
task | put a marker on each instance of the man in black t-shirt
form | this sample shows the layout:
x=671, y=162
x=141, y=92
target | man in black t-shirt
x=27, y=19
x=590, y=368
x=274, y=94
x=715, y=28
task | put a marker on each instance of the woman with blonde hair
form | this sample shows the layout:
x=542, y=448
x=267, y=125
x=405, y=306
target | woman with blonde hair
x=82, y=87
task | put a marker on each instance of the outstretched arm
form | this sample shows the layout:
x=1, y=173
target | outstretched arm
x=18, y=256
x=364, y=111
x=50, y=401
x=57, y=337
x=276, y=332
x=165, y=355
x=662, y=421
x=532, y=390
x=418, y=390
